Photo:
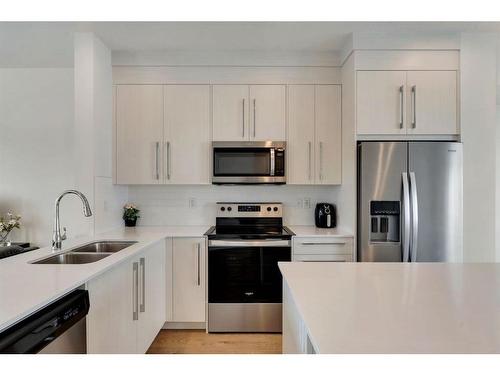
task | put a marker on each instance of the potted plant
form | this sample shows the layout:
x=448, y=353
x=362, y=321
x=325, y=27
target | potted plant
x=8, y=223
x=130, y=214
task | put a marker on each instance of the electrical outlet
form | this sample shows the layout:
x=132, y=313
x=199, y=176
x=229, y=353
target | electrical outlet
x=300, y=203
x=307, y=203
x=192, y=202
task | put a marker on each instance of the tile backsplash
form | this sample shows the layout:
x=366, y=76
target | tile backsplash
x=195, y=205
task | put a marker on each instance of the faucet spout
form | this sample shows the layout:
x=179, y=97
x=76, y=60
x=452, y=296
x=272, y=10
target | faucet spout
x=57, y=237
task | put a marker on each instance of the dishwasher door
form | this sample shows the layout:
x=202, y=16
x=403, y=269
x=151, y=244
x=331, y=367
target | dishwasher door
x=73, y=341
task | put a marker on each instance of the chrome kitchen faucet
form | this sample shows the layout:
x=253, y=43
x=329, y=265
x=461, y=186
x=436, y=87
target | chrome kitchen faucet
x=57, y=238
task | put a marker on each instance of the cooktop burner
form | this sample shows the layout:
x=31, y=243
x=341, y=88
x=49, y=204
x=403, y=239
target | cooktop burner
x=249, y=221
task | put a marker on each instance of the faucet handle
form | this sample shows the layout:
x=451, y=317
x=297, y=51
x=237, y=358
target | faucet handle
x=63, y=237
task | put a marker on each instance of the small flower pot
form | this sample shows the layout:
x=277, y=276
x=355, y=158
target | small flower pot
x=130, y=222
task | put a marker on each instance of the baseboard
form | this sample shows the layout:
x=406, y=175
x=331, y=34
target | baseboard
x=185, y=325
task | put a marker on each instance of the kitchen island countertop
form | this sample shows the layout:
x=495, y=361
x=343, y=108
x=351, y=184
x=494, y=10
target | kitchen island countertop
x=397, y=307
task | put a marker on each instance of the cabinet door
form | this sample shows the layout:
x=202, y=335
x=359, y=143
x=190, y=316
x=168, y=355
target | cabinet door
x=432, y=102
x=328, y=134
x=152, y=295
x=189, y=279
x=110, y=324
x=380, y=102
x=187, y=138
x=267, y=113
x=300, y=143
x=139, y=134
x=230, y=113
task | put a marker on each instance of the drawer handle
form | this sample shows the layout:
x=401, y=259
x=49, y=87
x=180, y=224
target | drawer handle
x=322, y=243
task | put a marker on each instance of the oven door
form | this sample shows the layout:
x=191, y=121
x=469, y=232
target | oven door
x=241, y=273
x=247, y=163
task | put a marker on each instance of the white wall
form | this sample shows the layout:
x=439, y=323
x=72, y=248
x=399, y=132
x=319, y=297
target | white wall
x=478, y=129
x=36, y=150
x=93, y=132
x=169, y=205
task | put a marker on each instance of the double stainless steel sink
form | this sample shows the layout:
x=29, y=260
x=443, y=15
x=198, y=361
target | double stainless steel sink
x=88, y=253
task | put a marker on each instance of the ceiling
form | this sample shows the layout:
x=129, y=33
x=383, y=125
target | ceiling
x=51, y=43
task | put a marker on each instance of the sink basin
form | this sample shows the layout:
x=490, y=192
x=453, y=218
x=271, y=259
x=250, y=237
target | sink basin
x=89, y=253
x=73, y=258
x=103, y=247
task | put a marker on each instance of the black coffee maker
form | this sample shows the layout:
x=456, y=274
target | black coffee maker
x=325, y=215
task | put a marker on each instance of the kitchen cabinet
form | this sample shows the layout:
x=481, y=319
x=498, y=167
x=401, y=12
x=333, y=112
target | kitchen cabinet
x=162, y=134
x=406, y=103
x=139, y=133
x=314, y=145
x=249, y=112
x=322, y=249
x=187, y=134
x=187, y=286
x=127, y=304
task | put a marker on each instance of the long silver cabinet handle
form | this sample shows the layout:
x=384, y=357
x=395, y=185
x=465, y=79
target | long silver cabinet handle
x=168, y=160
x=401, y=104
x=406, y=218
x=414, y=96
x=309, y=160
x=157, y=160
x=142, y=263
x=321, y=160
x=199, y=271
x=414, y=210
x=254, y=120
x=135, y=291
x=243, y=120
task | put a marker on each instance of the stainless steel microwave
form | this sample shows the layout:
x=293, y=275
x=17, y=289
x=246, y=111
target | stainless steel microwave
x=248, y=162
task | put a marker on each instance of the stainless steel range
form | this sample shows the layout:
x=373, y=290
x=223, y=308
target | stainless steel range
x=244, y=282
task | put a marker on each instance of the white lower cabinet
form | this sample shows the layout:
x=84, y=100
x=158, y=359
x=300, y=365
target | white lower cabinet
x=186, y=285
x=127, y=304
x=323, y=249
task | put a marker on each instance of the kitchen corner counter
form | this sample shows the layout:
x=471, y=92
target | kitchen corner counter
x=26, y=287
x=394, y=307
x=312, y=231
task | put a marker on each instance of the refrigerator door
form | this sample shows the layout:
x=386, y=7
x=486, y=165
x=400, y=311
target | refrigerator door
x=435, y=169
x=382, y=168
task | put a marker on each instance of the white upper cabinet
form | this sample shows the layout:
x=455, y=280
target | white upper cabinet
x=300, y=144
x=267, y=113
x=314, y=144
x=406, y=103
x=432, y=102
x=328, y=115
x=230, y=112
x=380, y=102
x=187, y=134
x=249, y=113
x=139, y=133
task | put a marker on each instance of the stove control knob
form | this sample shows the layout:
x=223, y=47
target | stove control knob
x=229, y=208
x=269, y=208
x=223, y=208
x=275, y=209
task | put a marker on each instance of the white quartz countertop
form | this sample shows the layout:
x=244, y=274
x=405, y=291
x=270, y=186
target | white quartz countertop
x=26, y=287
x=398, y=308
x=312, y=231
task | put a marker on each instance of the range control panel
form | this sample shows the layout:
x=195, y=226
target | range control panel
x=237, y=209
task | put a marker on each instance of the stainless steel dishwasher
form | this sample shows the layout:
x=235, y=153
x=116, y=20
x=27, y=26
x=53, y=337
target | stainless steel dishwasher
x=58, y=328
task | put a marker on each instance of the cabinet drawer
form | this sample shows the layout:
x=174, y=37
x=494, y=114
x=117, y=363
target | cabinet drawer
x=323, y=245
x=322, y=258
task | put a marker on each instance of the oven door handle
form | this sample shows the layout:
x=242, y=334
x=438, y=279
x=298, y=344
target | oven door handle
x=249, y=243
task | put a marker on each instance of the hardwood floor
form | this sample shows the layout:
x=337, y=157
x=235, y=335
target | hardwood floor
x=175, y=341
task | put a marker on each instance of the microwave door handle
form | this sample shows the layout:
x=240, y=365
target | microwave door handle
x=273, y=162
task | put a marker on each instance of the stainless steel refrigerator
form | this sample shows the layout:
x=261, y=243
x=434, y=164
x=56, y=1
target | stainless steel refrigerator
x=409, y=202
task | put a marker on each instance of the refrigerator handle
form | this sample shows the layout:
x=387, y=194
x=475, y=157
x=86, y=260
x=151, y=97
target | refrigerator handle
x=406, y=218
x=414, y=210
